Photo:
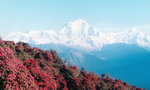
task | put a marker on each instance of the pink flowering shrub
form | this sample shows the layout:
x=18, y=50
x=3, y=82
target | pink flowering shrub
x=1, y=41
x=19, y=48
x=13, y=73
x=42, y=74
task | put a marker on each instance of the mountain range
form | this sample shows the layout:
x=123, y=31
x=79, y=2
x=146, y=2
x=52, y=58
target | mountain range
x=123, y=54
x=80, y=34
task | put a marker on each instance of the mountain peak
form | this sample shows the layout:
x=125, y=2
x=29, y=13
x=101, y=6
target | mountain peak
x=79, y=21
x=134, y=30
x=77, y=24
x=78, y=27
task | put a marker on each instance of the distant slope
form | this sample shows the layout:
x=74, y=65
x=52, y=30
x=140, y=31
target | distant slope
x=128, y=62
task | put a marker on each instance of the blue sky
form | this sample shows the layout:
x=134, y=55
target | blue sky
x=107, y=15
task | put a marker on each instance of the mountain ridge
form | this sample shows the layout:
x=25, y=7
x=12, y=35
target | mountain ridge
x=80, y=34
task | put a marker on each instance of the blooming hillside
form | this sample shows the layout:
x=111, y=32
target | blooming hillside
x=26, y=68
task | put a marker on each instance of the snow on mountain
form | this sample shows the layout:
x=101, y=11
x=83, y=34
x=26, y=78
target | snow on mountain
x=79, y=28
x=80, y=34
x=36, y=37
x=132, y=36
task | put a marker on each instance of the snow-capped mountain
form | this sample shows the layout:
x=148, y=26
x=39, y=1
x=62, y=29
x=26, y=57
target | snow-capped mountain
x=122, y=54
x=79, y=34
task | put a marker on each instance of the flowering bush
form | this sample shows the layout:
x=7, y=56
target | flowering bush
x=1, y=41
x=19, y=48
x=12, y=72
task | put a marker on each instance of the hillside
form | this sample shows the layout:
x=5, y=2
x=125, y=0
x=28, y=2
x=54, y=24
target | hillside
x=23, y=67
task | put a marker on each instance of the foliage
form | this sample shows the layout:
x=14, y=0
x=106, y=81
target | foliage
x=25, y=68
